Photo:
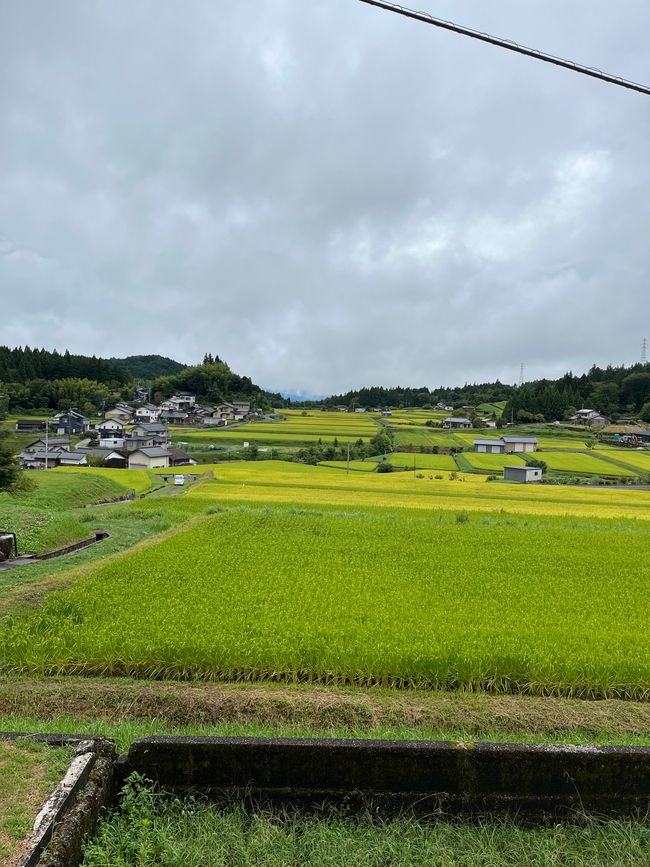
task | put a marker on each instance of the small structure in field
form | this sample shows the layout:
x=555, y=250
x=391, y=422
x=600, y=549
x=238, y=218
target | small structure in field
x=519, y=444
x=489, y=447
x=522, y=474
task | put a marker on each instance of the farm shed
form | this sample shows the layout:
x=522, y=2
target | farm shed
x=30, y=424
x=148, y=458
x=522, y=474
x=457, y=423
x=489, y=447
x=519, y=444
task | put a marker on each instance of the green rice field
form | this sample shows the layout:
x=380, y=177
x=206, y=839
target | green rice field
x=419, y=461
x=578, y=462
x=552, y=605
x=357, y=466
x=494, y=463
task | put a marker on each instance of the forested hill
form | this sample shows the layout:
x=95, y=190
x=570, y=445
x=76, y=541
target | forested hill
x=613, y=391
x=148, y=366
x=378, y=396
x=23, y=365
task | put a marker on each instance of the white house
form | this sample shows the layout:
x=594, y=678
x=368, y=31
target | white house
x=148, y=458
x=146, y=413
x=108, y=441
x=122, y=414
x=110, y=426
x=589, y=418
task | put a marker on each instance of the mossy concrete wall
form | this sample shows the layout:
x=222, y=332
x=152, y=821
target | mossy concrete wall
x=421, y=775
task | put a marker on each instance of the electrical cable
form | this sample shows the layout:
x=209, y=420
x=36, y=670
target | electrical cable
x=510, y=45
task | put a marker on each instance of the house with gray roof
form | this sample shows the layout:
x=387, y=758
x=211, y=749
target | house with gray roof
x=457, y=423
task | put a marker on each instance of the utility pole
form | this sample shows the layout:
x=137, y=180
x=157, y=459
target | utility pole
x=47, y=434
x=347, y=468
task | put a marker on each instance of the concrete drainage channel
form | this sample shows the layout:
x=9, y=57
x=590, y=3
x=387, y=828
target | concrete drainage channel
x=533, y=783
x=9, y=561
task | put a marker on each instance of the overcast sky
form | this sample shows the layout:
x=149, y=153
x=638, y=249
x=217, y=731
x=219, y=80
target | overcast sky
x=325, y=194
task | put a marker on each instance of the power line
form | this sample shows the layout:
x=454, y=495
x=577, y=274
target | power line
x=510, y=45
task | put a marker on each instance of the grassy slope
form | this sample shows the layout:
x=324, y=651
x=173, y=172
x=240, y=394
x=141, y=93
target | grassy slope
x=48, y=516
x=28, y=772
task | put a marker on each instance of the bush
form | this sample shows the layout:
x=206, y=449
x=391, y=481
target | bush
x=385, y=467
x=462, y=518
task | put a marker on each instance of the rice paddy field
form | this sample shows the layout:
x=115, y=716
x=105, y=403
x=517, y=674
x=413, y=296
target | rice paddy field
x=493, y=463
x=412, y=460
x=357, y=466
x=588, y=462
x=307, y=574
x=293, y=430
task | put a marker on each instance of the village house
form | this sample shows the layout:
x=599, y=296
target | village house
x=41, y=459
x=148, y=458
x=157, y=430
x=386, y=413
x=360, y=409
x=183, y=400
x=457, y=423
x=71, y=422
x=177, y=458
x=110, y=457
x=110, y=426
x=51, y=443
x=172, y=416
x=589, y=418
x=108, y=441
x=118, y=413
x=147, y=413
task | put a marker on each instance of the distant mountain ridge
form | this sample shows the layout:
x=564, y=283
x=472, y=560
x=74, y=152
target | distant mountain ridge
x=148, y=366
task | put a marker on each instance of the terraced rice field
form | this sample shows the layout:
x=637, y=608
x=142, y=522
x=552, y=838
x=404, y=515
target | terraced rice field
x=413, y=436
x=294, y=429
x=639, y=461
x=370, y=596
x=357, y=466
x=411, y=460
x=493, y=463
x=578, y=462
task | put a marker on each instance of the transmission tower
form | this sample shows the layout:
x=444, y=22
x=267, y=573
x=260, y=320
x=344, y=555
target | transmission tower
x=521, y=374
x=644, y=351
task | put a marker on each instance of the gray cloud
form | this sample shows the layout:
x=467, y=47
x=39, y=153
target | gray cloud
x=322, y=193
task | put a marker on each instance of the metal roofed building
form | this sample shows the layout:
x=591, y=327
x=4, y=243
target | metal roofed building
x=522, y=475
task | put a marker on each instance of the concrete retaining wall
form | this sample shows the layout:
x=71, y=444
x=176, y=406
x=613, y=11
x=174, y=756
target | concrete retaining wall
x=421, y=775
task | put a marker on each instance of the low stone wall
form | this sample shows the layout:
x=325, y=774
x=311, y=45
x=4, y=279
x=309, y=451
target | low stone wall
x=421, y=776
x=71, y=812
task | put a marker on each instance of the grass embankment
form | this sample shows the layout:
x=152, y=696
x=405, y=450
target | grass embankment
x=48, y=516
x=551, y=606
x=152, y=825
x=28, y=772
x=125, y=709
